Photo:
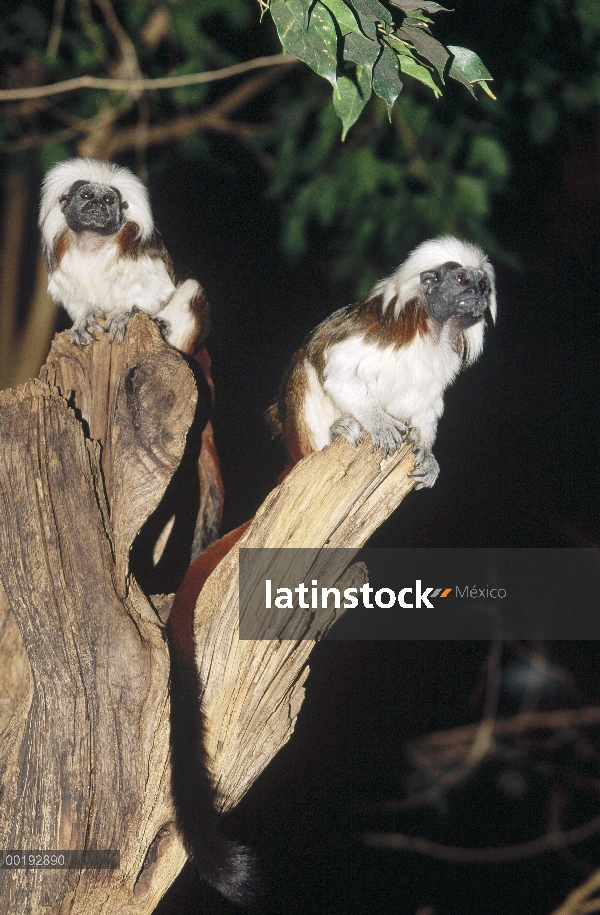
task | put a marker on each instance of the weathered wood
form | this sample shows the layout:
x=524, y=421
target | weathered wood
x=254, y=689
x=85, y=763
x=138, y=402
x=86, y=454
x=15, y=673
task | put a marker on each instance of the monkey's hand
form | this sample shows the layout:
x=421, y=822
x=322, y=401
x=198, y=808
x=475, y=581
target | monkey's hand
x=116, y=324
x=387, y=434
x=80, y=335
x=426, y=467
x=348, y=427
x=385, y=431
x=163, y=326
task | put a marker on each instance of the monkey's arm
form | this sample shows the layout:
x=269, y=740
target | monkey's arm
x=145, y=285
x=355, y=378
x=349, y=380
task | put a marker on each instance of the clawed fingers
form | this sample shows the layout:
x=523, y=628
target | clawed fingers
x=348, y=427
x=426, y=473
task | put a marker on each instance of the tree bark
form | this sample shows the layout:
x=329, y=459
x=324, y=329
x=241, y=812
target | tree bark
x=86, y=454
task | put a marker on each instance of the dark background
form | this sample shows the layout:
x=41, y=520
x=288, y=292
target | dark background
x=518, y=450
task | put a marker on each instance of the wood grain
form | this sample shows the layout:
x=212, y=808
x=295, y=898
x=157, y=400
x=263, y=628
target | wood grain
x=86, y=453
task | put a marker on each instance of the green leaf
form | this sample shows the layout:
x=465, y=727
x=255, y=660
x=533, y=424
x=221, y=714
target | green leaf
x=361, y=51
x=317, y=45
x=370, y=13
x=306, y=8
x=353, y=94
x=386, y=81
x=375, y=9
x=343, y=15
x=413, y=68
x=368, y=25
x=416, y=18
x=488, y=156
x=469, y=64
x=427, y=46
x=426, y=5
x=467, y=68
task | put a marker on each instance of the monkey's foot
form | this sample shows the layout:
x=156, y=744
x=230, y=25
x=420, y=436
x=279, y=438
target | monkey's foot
x=116, y=324
x=348, y=427
x=426, y=467
x=387, y=434
x=80, y=335
x=163, y=326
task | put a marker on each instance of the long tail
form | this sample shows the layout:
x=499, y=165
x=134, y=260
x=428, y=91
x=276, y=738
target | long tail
x=224, y=865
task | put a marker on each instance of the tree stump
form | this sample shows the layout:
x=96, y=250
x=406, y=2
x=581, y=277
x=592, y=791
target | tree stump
x=86, y=454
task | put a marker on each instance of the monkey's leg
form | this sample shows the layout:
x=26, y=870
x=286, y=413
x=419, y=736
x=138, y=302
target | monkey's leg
x=186, y=317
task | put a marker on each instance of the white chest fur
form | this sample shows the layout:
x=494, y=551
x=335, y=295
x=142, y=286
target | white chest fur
x=405, y=382
x=96, y=277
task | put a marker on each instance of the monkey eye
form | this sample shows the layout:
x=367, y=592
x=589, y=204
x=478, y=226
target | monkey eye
x=482, y=285
x=87, y=195
x=108, y=198
x=462, y=278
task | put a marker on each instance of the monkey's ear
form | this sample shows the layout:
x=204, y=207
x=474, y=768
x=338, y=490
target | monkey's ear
x=428, y=279
x=63, y=202
x=124, y=204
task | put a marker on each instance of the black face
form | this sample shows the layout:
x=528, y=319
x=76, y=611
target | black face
x=453, y=291
x=93, y=208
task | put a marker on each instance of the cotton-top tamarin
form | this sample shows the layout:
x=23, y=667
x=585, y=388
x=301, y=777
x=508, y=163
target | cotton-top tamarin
x=382, y=365
x=105, y=259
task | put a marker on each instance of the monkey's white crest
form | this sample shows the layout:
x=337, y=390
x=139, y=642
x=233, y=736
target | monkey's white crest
x=59, y=179
x=404, y=284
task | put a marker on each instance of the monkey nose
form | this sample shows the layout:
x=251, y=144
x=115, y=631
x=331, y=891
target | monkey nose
x=96, y=208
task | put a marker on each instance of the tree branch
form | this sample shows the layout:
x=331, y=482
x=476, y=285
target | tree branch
x=129, y=64
x=550, y=841
x=580, y=901
x=442, y=741
x=56, y=28
x=212, y=119
x=142, y=85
